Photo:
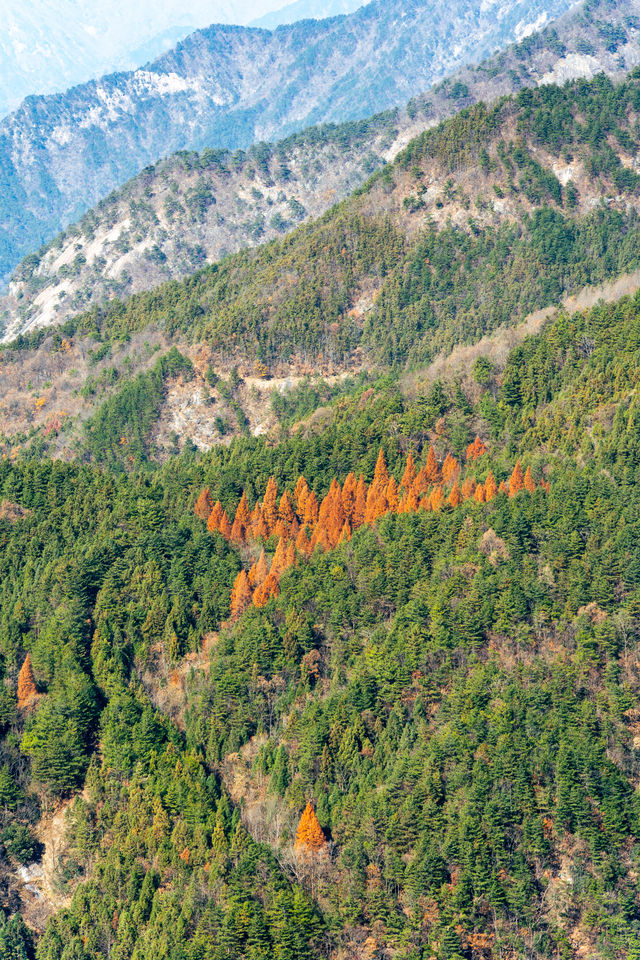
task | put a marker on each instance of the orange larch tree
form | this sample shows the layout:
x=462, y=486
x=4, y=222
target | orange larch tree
x=310, y=837
x=311, y=509
x=242, y=521
x=476, y=449
x=411, y=502
x=455, y=497
x=516, y=481
x=432, y=469
x=268, y=589
x=479, y=493
x=203, y=505
x=409, y=474
x=213, y=523
x=349, y=489
x=450, y=469
x=224, y=526
x=269, y=514
x=262, y=531
x=529, y=482
x=381, y=474
x=421, y=483
x=300, y=494
x=27, y=689
x=320, y=538
x=490, y=487
x=290, y=555
x=278, y=564
x=331, y=515
x=360, y=503
x=377, y=503
x=391, y=494
x=259, y=571
x=436, y=498
x=252, y=529
x=241, y=595
x=303, y=545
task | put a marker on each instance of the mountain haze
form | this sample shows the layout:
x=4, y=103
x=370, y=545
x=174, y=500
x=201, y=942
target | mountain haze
x=228, y=87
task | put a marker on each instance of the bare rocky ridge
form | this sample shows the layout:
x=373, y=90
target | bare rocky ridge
x=228, y=87
x=193, y=209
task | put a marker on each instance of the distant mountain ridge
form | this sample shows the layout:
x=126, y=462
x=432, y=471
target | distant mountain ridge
x=228, y=87
x=192, y=209
x=47, y=47
x=306, y=9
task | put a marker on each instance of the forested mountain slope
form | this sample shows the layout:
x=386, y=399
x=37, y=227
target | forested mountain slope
x=230, y=87
x=193, y=209
x=359, y=678
x=499, y=212
x=454, y=686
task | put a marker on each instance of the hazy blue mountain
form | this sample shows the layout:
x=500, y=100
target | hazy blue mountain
x=47, y=47
x=304, y=9
x=229, y=87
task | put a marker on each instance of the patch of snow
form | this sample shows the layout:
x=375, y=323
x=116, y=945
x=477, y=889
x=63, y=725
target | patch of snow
x=572, y=67
x=524, y=29
x=162, y=83
x=60, y=135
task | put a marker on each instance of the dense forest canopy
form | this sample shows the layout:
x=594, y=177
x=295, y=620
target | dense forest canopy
x=444, y=685
x=366, y=686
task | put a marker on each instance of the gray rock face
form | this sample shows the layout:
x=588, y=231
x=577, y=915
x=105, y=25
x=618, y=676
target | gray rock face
x=228, y=87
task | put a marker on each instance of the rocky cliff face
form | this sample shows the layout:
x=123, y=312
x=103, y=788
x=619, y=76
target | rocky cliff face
x=195, y=208
x=229, y=87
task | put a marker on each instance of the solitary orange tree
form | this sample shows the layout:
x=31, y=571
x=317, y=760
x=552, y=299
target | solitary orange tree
x=26, y=683
x=310, y=837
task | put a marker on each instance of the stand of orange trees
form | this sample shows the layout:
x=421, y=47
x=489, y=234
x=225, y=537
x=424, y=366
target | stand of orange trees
x=302, y=524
